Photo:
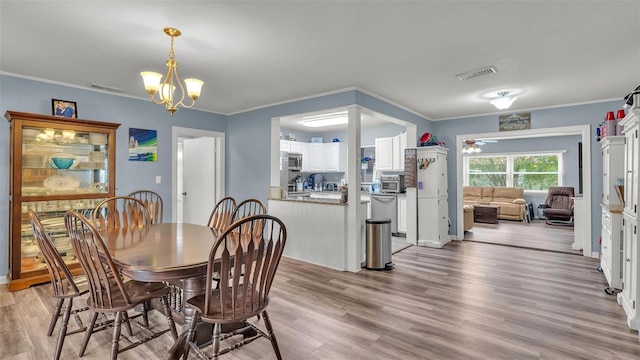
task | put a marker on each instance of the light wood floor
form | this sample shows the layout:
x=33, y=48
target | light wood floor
x=467, y=300
x=534, y=235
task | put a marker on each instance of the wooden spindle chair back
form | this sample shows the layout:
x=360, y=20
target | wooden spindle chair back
x=120, y=212
x=153, y=201
x=222, y=214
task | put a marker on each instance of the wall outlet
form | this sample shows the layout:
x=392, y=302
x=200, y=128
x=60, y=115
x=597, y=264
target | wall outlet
x=158, y=179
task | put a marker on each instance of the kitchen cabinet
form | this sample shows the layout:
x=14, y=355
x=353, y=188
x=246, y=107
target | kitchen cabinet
x=630, y=294
x=285, y=145
x=56, y=164
x=335, y=157
x=317, y=157
x=402, y=213
x=384, y=154
x=301, y=148
x=390, y=152
x=433, y=196
x=611, y=232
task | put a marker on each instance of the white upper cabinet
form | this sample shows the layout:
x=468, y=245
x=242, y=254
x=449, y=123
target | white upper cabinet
x=335, y=157
x=316, y=157
x=301, y=148
x=390, y=153
x=384, y=154
x=285, y=145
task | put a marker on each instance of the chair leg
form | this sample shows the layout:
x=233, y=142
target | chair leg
x=167, y=312
x=272, y=336
x=116, y=334
x=87, y=334
x=54, y=317
x=190, y=335
x=217, y=329
x=125, y=317
x=63, y=328
x=145, y=314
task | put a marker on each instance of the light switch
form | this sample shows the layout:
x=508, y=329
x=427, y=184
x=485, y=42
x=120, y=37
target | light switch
x=158, y=179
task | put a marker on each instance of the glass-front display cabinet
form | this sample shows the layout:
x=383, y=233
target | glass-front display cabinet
x=57, y=164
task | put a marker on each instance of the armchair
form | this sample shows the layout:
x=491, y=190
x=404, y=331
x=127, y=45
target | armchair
x=558, y=208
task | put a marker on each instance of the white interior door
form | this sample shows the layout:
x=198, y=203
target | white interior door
x=198, y=180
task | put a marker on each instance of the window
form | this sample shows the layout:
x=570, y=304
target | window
x=531, y=171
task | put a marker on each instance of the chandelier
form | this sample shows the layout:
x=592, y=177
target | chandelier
x=166, y=88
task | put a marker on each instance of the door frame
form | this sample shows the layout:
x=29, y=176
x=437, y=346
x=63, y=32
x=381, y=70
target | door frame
x=584, y=131
x=177, y=133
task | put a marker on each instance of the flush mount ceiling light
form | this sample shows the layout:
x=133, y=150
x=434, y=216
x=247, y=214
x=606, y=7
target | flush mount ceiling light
x=165, y=90
x=504, y=101
x=337, y=118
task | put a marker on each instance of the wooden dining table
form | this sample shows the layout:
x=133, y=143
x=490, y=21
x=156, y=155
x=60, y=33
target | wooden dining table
x=176, y=253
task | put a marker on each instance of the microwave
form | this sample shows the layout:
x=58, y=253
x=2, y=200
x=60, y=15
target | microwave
x=295, y=161
x=392, y=184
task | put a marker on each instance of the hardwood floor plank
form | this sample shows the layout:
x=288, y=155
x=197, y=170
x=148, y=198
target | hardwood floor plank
x=468, y=300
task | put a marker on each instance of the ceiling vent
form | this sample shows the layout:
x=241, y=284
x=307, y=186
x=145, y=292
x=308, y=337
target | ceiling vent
x=477, y=73
x=105, y=88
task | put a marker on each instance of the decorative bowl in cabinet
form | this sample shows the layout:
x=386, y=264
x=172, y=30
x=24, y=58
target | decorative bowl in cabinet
x=63, y=161
x=61, y=182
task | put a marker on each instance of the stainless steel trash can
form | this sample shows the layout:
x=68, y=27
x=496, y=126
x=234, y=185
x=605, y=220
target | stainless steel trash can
x=378, y=245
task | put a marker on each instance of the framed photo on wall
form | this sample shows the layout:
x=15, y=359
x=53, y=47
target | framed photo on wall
x=64, y=108
x=143, y=145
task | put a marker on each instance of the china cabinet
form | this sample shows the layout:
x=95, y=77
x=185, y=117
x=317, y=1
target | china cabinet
x=56, y=164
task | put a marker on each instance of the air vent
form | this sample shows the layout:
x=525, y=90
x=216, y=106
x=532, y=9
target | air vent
x=477, y=73
x=105, y=88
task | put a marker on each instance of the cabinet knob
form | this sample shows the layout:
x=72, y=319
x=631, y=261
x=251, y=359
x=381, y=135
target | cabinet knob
x=184, y=193
x=628, y=260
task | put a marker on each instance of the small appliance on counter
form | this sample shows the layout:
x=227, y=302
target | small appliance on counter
x=392, y=184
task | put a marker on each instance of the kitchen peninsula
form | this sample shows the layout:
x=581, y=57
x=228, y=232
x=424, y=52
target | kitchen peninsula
x=317, y=229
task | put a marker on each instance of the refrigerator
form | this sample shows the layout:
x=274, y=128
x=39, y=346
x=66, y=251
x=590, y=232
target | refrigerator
x=427, y=196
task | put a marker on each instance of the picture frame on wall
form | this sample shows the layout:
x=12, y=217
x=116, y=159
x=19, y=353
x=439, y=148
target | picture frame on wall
x=143, y=145
x=518, y=121
x=64, y=108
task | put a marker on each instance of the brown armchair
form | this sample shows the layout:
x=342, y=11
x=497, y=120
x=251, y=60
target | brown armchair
x=558, y=208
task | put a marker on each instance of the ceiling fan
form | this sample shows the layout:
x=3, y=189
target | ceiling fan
x=471, y=142
x=473, y=146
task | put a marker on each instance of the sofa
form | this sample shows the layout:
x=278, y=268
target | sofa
x=509, y=200
x=468, y=217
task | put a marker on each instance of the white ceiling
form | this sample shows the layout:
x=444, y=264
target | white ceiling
x=253, y=54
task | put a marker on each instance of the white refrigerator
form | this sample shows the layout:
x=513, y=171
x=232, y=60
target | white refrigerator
x=427, y=196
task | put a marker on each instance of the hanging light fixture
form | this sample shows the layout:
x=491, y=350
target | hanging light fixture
x=166, y=89
x=504, y=101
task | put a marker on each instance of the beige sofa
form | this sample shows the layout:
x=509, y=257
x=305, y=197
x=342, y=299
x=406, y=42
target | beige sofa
x=509, y=200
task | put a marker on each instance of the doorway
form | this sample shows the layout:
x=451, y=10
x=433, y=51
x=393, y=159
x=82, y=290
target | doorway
x=582, y=236
x=198, y=173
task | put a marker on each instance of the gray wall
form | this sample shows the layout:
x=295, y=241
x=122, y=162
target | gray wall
x=252, y=179
x=547, y=118
x=248, y=137
x=563, y=143
x=24, y=95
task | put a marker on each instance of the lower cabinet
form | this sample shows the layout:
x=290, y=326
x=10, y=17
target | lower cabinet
x=402, y=213
x=628, y=298
x=611, y=258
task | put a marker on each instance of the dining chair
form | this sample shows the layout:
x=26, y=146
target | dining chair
x=120, y=212
x=249, y=207
x=245, y=293
x=222, y=214
x=108, y=292
x=153, y=201
x=63, y=284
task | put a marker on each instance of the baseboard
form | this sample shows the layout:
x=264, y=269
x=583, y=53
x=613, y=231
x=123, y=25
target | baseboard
x=434, y=243
x=595, y=255
x=3, y=279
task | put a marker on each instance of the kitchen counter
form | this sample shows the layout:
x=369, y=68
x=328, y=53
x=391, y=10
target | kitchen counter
x=317, y=231
x=306, y=199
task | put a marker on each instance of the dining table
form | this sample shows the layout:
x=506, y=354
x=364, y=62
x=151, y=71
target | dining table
x=174, y=253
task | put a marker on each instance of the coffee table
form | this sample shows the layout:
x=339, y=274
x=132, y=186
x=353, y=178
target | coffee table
x=486, y=214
